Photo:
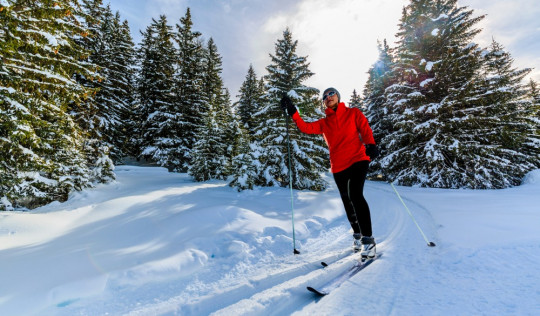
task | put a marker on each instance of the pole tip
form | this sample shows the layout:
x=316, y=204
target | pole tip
x=296, y=252
x=431, y=244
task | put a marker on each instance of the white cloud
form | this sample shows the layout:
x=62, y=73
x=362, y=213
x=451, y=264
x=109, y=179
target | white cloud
x=515, y=25
x=340, y=38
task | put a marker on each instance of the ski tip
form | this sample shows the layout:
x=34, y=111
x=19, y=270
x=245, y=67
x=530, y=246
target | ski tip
x=431, y=244
x=316, y=291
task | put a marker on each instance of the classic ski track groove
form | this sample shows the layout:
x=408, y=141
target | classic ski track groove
x=206, y=305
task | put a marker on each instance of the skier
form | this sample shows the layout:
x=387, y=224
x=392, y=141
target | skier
x=352, y=146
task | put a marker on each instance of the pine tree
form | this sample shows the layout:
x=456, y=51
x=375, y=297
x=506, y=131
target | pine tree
x=356, y=101
x=250, y=100
x=375, y=103
x=505, y=94
x=42, y=157
x=206, y=162
x=229, y=124
x=96, y=114
x=442, y=106
x=285, y=76
x=114, y=99
x=123, y=87
x=189, y=79
x=534, y=119
x=435, y=62
x=245, y=173
x=505, y=124
x=245, y=161
x=214, y=162
x=161, y=124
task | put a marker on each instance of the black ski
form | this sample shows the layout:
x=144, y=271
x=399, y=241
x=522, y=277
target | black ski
x=333, y=284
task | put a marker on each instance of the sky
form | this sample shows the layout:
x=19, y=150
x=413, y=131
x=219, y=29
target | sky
x=339, y=37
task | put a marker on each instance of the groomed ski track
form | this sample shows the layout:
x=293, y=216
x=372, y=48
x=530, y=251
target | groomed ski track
x=395, y=233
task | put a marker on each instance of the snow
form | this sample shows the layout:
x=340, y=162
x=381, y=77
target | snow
x=441, y=16
x=426, y=82
x=429, y=65
x=157, y=243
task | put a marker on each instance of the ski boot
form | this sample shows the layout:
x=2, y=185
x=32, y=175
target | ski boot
x=368, y=249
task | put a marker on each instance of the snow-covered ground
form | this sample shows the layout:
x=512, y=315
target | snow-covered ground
x=156, y=243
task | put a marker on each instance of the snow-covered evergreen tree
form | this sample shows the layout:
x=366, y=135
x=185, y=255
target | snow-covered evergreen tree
x=375, y=103
x=115, y=57
x=250, y=100
x=161, y=122
x=286, y=75
x=356, y=101
x=42, y=156
x=207, y=160
x=214, y=161
x=122, y=77
x=534, y=119
x=505, y=124
x=229, y=123
x=245, y=163
x=189, y=79
x=437, y=105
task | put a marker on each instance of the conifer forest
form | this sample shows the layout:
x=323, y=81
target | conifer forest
x=78, y=96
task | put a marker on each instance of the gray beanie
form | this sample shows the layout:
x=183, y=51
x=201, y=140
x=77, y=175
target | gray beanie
x=332, y=89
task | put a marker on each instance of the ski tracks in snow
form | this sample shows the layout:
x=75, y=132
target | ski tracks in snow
x=286, y=294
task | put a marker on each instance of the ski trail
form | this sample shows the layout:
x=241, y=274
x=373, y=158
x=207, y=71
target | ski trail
x=291, y=297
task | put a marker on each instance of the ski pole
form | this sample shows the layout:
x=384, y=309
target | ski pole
x=295, y=251
x=429, y=243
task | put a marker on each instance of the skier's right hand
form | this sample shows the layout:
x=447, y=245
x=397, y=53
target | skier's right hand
x=372, y=151
x=286, y=105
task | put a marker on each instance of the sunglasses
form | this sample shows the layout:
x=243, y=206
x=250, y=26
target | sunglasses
x=331, y=93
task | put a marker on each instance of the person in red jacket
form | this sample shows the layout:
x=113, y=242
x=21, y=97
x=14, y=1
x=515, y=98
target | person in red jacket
x=352, y=146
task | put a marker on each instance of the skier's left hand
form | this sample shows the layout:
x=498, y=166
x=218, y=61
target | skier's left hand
x=372, y=151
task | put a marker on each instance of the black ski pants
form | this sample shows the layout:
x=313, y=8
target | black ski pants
x=350, y=183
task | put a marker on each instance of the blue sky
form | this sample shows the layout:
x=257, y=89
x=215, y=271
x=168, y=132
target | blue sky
x=338, y=36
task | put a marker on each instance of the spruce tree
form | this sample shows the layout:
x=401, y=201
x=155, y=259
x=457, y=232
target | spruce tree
x=250, y=100
x=95, y=115
x=189, y=81
x=219, y=130
x=122, y=77
x=206, y=161
x=534, y=118
x=114, y=99
x=356, y=101
x=375, y=102
x=434, y=67
x=443, y=105
x=161, y=125
x=42, y=157
x=245, y=173
x=229, y=123
x=286, y=75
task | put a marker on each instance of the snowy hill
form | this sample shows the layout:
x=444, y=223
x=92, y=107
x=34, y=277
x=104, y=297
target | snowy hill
x=156, y=243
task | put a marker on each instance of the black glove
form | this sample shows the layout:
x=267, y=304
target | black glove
x=372, y=151
x=286, y=104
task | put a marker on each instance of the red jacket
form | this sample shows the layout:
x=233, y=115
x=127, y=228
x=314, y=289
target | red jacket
x=341, y=130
